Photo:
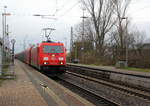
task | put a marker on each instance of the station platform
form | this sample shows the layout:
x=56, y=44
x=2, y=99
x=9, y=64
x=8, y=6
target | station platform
x=31, y=88
x=133, y=78
x=114, y=69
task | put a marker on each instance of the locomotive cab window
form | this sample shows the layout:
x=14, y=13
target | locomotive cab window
x=53, y=49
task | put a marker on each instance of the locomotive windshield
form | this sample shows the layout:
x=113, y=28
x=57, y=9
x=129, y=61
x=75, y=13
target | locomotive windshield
x=53, y=49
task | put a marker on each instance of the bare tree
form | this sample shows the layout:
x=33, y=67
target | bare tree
x=101, y=12
x=139, y=38
x=121, y=36
x=88, y=38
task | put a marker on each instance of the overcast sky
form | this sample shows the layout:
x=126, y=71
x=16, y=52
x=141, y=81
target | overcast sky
x=26, y=27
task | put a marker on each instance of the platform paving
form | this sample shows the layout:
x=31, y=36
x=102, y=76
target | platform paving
x=20, y=91
x=28, y=89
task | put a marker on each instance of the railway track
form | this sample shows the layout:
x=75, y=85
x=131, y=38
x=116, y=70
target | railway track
x=127, y=94
x=128, y=90
x=88, y=94
x=113, y=76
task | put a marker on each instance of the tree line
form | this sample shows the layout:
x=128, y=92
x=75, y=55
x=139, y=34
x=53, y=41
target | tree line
x=108, y=35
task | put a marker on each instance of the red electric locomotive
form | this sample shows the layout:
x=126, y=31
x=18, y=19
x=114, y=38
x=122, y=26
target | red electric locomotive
x=48, y=57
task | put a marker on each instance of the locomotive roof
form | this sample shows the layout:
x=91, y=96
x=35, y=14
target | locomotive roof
x=50, y=43
x=43, y=43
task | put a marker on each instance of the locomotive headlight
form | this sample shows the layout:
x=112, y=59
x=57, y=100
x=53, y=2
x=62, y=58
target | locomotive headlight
x=60, y=58
x=45, y=63
x=45, y=58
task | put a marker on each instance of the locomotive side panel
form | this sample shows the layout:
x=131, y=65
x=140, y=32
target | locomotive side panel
x=29, y=56
x=34, y=57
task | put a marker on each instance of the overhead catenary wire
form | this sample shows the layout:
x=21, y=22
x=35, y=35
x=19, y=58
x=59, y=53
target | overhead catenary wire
x=61, y=7
x=54, y=14
x=68, y=10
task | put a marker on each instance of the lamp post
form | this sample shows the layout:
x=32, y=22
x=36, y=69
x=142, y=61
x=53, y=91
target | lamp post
x=4, y=28
x=82, y=48
x=13, y=45
x=126, y=18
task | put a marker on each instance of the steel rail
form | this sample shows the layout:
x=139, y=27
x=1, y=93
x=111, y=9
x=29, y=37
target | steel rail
x=106, y=100
x=108, y=76
x=97, y=69
x=129, y=91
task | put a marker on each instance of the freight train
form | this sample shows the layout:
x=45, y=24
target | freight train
x=48, y=57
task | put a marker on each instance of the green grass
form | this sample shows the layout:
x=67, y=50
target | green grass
x=125, y=68
x=96, y=64
x=136, y=69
